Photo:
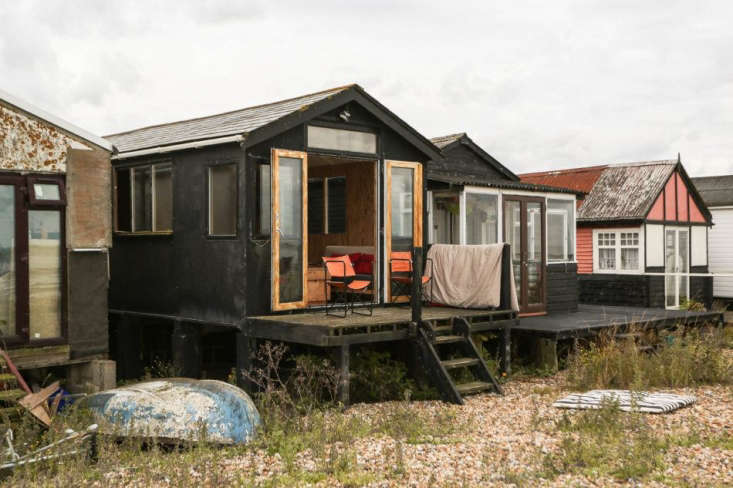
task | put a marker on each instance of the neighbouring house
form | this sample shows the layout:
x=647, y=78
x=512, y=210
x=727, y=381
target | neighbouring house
x=55, y=235
x=641, y=234
x=717, y=192
x=474, y=199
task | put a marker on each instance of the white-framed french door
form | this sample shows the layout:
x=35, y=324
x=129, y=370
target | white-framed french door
x=676, y=266
x=289, y=224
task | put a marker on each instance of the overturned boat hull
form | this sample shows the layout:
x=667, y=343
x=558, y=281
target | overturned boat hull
x=177, y=409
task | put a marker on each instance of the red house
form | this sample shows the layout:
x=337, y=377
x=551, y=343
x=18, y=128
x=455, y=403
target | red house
x=641, y=233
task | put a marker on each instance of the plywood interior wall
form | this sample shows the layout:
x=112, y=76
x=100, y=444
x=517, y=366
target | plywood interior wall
x=360, y=204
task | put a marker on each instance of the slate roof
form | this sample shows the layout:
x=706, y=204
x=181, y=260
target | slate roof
x=505, y=184
x=231, y=123
x=444, y=141
x=716, y=191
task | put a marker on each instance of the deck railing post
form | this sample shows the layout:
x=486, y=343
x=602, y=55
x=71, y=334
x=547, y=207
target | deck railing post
x=505, y=300
x=416, y=292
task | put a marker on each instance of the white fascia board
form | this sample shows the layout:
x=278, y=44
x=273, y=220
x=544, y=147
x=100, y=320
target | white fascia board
x=178, y=147
x=58, y=122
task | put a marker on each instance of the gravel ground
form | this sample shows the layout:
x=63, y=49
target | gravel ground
x=502, y=439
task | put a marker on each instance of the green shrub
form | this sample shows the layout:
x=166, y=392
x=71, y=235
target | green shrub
x=376, y=377
x=681, y=359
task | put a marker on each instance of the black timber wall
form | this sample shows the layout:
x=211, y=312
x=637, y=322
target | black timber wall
x=186, y=274
x=640, y=290
x=461, y=161
x=562, y=287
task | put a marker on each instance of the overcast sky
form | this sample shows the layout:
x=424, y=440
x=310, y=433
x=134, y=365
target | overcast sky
x=539, y=85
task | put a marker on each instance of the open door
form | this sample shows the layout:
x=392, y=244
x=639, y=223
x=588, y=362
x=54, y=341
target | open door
x=289, y=193
x=676, y=266
x=404, y=205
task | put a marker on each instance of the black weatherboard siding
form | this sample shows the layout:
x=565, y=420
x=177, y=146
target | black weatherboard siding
x=185, y=274
x=562, y=287
x=462, y=158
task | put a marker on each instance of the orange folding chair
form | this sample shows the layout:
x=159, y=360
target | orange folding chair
x=400, y=265
x=342, y=280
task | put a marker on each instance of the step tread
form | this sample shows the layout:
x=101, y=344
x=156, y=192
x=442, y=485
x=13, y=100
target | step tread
x=473, y=387
x=445, y=339
x=459, y=362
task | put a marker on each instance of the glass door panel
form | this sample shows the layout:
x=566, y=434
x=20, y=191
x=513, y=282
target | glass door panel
x=446, y=218
x=535, y=258
x=513, y=236
x=403, y=225
x=401, y=198
x=676, y=266
x=44, y=273
x=7, y=261
x=289, y=219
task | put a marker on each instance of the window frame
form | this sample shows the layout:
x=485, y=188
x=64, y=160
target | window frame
x=208, y=201
x=342, y=126
x=23, y=186
x=131, y=168
x=617, y=247
x=43, y=202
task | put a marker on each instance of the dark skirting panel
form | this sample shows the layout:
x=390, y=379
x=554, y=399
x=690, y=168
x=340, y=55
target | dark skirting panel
x=87, y=323
x=562, y=287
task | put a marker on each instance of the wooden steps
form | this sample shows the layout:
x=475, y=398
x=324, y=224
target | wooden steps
x=450, y=355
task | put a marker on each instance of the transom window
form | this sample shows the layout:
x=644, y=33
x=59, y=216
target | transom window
x=342, y=140
x=618, y=251
x=144, y=198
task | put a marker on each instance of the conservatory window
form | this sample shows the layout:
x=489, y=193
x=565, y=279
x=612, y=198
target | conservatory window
x=560, y=230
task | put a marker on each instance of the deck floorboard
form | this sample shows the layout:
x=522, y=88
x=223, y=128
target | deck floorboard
x=589, y=319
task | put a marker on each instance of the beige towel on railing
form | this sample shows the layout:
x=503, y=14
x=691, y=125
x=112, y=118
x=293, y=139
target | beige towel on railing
x=467, y=276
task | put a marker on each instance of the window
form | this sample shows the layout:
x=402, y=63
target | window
x=327, y=205
x=618, y=251
x=316, y=202
x=342, y=140
x=560, y=230
x=144, y=197
x=223, y=200
x=263, y=218
x=336, y=206
x=481, y=218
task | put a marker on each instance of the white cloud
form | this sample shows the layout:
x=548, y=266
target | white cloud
x=538, y=84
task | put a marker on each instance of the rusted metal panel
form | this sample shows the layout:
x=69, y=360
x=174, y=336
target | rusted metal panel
x=581, y=179
x=29, y=144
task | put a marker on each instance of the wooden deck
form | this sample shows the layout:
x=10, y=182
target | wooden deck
x=386, y=324
x=590, y=319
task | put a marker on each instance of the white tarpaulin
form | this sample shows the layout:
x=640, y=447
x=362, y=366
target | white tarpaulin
x=467, y=276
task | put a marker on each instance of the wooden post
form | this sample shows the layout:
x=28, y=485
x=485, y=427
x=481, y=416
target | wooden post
x=416, y=292
x=505, y=300
x=186, y=348
x=344, y=375
x=245, y=351
x=506, y=351
x=127, y=347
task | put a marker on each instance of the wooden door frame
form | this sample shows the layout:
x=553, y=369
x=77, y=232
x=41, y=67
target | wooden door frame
x=523, y=298
x=417, y=212
x=275, y=225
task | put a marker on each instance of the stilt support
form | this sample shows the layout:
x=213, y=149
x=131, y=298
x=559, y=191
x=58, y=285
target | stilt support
x=186, y=348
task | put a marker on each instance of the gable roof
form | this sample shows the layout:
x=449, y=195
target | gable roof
x=716, y=191
x=53, y=120
x=626, y=191
x=581, y=179
x=247, y=122
x=446, y=143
